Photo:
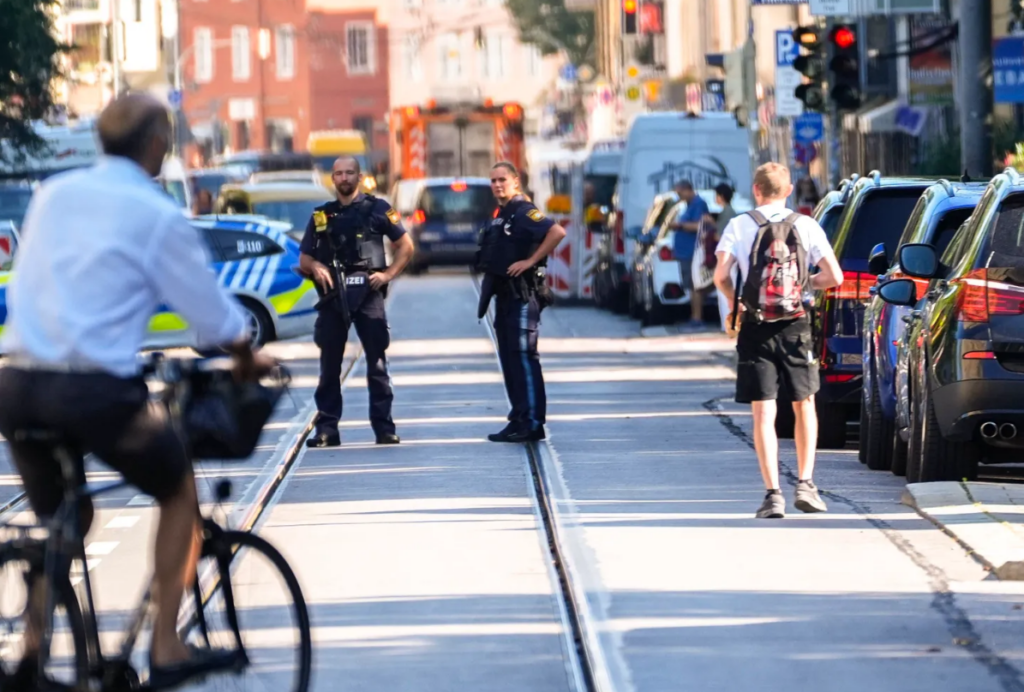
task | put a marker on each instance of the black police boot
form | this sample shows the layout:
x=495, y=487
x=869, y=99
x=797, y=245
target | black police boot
x=525, y=435
x=504, y=434
x=388, y=439
x=323, y=439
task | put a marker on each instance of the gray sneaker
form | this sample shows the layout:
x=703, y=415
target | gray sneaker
x=773, y=507
x=807, y=498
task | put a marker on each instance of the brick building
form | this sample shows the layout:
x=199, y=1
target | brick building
x=262, y=74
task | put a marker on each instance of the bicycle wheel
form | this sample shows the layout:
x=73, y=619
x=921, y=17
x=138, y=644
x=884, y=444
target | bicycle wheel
x=66, y=664
x=251, y=599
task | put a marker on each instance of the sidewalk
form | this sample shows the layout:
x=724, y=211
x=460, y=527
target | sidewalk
x=987, y=519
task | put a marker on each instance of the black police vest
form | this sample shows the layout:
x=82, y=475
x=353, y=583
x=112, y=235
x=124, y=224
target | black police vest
x=358, y=244
x=501, y=246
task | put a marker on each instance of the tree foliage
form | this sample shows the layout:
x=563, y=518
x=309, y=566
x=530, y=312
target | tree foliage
x=30, y=62
x=551, y=27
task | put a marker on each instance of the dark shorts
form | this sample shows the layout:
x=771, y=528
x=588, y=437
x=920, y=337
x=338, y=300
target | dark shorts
x=773, y=354
x=101, y=414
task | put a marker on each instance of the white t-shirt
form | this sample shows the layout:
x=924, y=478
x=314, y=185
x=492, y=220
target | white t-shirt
x=738, y=237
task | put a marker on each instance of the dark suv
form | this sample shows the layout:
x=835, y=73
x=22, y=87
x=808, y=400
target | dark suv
x=875, y=211
x=448, y=213
x=966, y=348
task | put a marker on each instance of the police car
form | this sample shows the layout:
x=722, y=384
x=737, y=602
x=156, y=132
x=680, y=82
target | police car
x=254, y=259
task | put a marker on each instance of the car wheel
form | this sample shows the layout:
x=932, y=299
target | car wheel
x=914, y=443
x=942, y=459
x=260, y=328
x=879, y=434
x=865, y=413
x=899, y=456
x=831, y=425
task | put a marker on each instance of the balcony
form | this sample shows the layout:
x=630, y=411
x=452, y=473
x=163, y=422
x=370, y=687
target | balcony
x=86, y=5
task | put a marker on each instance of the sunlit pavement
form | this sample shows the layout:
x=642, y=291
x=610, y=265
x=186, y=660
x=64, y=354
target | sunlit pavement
x=425, y=568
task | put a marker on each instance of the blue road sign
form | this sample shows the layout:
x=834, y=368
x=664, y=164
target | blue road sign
x=568, y=72
x=786, y=50
x=1008, y=69
x=809, y=128
x=174, y=98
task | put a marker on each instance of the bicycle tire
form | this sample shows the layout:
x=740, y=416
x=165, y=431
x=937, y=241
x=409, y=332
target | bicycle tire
x=33, y=553
x=227, y=544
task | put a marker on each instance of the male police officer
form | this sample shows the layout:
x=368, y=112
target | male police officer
x=343, y=252
x=519, y=239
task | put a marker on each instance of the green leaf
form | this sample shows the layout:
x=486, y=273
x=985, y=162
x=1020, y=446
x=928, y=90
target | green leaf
x=551, y=27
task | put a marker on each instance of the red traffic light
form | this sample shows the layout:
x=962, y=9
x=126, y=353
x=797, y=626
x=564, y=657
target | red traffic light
x=629, y=6
x=843, y=37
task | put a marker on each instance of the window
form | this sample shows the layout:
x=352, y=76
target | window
x=363, y=123
x=494, y=55
x=411, y=64
x=534, y=60
x=284, y=38
x=450, y=56
x=137, y=11
x=203, y=66
x=240, y=53
x=360, y=48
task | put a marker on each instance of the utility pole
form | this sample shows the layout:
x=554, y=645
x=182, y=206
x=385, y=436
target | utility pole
x=976, y=87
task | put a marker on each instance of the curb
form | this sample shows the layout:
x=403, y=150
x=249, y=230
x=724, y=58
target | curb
x=965, y=512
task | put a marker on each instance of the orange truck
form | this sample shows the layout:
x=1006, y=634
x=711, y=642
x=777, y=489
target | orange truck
x=457, y=140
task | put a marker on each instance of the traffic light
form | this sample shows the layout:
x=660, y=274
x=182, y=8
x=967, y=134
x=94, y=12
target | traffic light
x=845, y=67
x=812, y=66
x=629, y=11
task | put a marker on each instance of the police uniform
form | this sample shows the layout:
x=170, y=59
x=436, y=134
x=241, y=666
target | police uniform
x=513, y=235
x=354, y=233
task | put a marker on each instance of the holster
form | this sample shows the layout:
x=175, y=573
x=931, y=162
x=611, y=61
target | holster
x=487, y=291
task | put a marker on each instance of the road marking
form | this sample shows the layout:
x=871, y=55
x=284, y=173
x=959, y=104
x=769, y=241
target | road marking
x=140, y=501
x=122, y=522
x=101, y=548
x=90, y=565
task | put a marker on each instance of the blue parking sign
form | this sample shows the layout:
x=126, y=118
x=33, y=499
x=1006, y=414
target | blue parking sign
x=1008, y=69
x=809, y=128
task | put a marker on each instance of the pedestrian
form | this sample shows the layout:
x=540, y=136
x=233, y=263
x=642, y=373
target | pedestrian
x=723, y=195
x=774, y=249
x=348, y=235
x=203, y=203
x=514, y=252
x=684, y=241
x=807, y=196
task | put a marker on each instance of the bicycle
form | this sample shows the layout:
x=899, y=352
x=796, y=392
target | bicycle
x=211, y=613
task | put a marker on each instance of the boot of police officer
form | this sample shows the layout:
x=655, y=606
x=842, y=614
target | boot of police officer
x=343, y=252
x=514, y=250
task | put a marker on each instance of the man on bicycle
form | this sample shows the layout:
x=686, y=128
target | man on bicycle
x=103, y=248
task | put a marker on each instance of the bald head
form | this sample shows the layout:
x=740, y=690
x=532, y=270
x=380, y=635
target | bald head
x=348, y=163
x=136, y=126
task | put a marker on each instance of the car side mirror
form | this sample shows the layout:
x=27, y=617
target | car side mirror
x=899, y=292
x=919, y=260
x=878, y=261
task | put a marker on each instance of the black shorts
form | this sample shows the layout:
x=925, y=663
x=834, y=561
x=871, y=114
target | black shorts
x=101, y=414
x=773, y=354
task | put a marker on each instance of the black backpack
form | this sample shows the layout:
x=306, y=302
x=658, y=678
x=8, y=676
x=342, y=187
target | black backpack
x=777, y=278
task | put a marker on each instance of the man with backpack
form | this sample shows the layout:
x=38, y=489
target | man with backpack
x=774, y=250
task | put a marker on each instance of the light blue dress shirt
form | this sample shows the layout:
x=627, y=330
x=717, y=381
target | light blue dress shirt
x=102, y=248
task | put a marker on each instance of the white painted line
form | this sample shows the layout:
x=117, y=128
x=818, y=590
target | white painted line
x=101, y=548
x=140, y=501
x=90, y=565
x=122, y=522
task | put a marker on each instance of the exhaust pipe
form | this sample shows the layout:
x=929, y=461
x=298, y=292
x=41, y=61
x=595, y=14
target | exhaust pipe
x=1007, y=431
x=989, y=430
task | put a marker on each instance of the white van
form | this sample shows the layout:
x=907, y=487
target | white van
x=665, y=148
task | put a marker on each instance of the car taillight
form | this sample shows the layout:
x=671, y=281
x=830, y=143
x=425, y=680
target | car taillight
x=665, y=253
x=419, y=217
x=620, y=242
x=856, y=286
x=981, y=298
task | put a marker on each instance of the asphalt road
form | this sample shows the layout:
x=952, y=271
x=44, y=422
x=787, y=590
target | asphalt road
x=426, y=568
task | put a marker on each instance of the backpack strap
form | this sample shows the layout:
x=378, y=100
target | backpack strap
x=759, y=218
x=801, y=251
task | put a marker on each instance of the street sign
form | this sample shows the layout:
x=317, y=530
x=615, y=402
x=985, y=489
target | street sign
x=809, y=128
x=787, y=79
x=568, y=72
x=804, y=153
x=911, y=119
x=174, y=98
x=1008, y=69
x=633, y=93
x=831, y=8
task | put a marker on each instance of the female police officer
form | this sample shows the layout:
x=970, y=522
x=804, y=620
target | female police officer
x=519, y=239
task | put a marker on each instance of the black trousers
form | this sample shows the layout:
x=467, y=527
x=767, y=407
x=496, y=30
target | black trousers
x=516, y=325
x=330, y=335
